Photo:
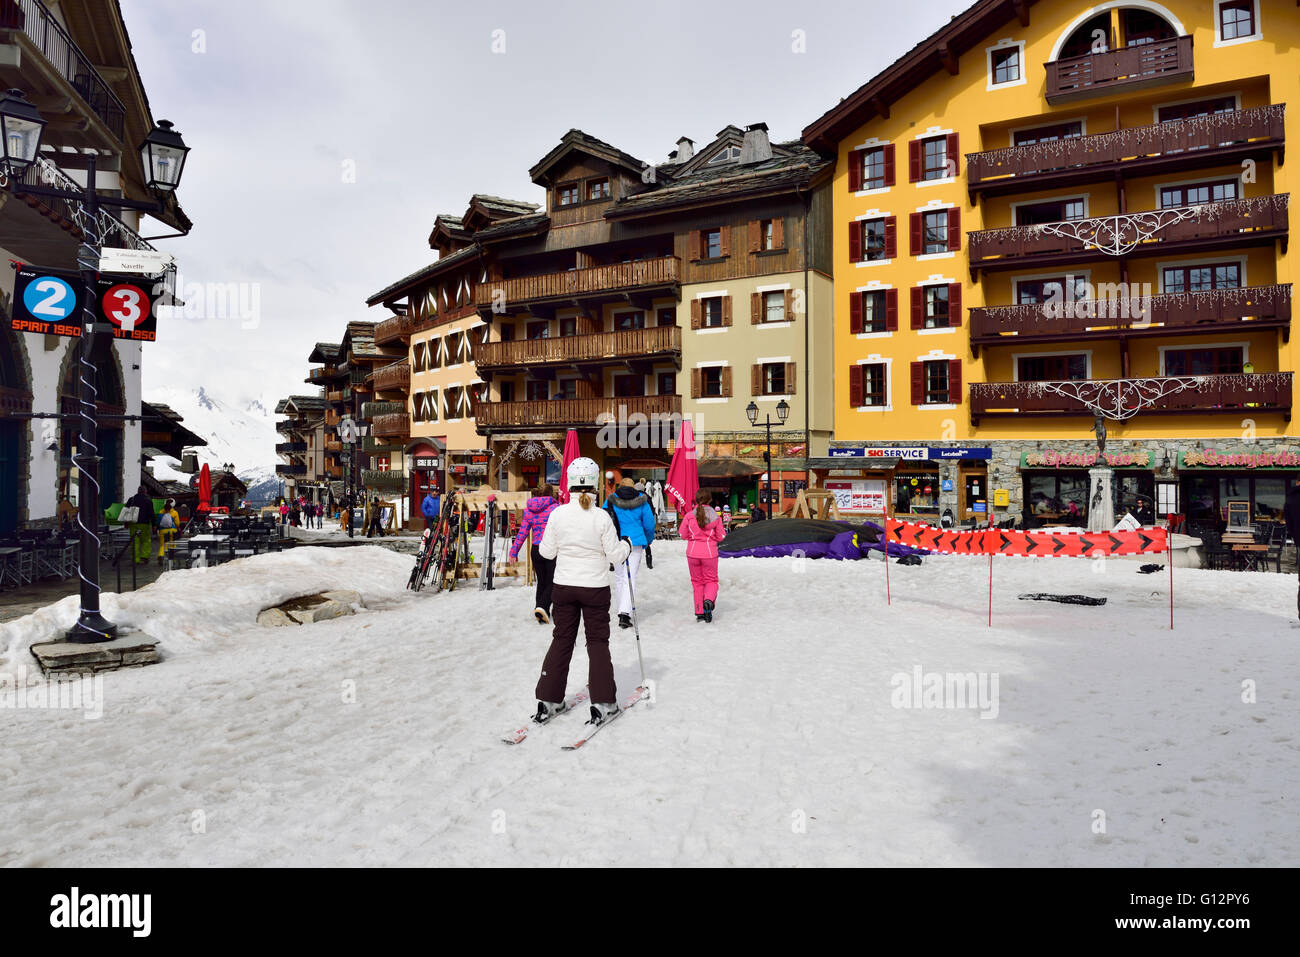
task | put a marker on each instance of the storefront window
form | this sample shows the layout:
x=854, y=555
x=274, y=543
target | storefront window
x=1206, y=497
x=1136, y=495
x=917, y=493
x=1057, y=498
x=1270, y=496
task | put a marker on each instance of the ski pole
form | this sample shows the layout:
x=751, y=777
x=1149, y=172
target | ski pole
x=636, y=628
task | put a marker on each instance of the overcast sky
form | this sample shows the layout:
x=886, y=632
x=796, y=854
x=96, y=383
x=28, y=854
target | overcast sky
x=327, y=134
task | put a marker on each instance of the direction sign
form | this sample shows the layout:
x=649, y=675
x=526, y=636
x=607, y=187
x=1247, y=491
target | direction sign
x=147, y=262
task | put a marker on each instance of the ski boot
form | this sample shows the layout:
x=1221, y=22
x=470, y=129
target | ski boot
x=699, y=617
x=542, y=617
x=624, y=621
x=708, y=611
x=600, y=713
x=546, y=710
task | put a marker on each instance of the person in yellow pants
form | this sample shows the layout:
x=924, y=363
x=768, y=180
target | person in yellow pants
x=168, y=522
x=142, y=528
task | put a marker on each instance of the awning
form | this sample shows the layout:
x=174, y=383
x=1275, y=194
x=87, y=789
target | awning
x=725, y=467
x=855, y=464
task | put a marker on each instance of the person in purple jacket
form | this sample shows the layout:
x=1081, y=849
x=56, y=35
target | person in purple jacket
x=536, y=512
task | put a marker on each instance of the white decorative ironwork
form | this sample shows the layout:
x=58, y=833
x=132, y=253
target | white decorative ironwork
x=1120, y=235
x=1118, y=399
x=111, y=231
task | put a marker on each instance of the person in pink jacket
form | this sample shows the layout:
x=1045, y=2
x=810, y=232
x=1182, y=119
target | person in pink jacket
x=702, y=529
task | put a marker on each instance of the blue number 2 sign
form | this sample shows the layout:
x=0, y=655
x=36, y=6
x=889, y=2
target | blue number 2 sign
x=50, y=298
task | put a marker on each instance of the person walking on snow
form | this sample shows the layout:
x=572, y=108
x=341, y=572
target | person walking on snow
x=531, y=529
x=583, y=542
x=429, y=509
x=702, y=531
x=635, y=520
x=168, y=522
x=142, y=527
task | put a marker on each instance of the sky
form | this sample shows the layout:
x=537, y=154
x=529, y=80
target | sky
x=326, y=135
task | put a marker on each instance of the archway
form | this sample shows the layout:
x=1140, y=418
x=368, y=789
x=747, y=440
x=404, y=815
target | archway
x=15, y=429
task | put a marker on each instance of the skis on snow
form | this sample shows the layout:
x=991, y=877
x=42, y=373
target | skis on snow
x=571, y=702
x=589, y=730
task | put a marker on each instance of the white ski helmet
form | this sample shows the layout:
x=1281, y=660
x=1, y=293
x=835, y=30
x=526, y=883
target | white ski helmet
x=583, y=474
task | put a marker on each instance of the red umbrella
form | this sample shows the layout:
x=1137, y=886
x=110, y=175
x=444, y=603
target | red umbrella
x=205, y=489
x=684, y=472
x=571, y=452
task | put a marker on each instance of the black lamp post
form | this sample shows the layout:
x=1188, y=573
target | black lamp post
x=163, y=154
x=751, y=412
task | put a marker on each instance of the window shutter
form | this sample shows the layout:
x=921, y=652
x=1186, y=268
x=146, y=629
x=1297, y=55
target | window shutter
x=918, y=307
x=791, y=378
x=889, y=164
x=855, y=313
x=696, y=376
x=954, y=380
x=726, y=381
x=952, y=156
x=855, y=385
x=697, y=314
x=755, y=232
x=693, y=245
x=891, y=310
x=855, y=170
x=954, y=229
x=755, y=380
x=725, y=235
x=914, y=156
x=954, y=304
x=778, y=232
x=726, y=310
x=918, y=383
x=891, y=237
x=915, y=225
x=855, y=241
x=789, y=304
x=755, y=308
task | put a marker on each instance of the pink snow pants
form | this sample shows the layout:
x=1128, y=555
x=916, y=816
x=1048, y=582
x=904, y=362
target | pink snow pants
x=704, y=580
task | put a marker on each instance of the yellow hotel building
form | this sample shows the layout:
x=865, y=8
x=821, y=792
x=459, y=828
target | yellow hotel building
x=1049, y=210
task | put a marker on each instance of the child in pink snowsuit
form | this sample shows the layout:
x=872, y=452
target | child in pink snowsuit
x=702, y=529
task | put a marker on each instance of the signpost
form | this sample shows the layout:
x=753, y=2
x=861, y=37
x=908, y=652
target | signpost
x=45, y=301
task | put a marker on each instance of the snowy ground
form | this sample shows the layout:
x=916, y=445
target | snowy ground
x=773, y=739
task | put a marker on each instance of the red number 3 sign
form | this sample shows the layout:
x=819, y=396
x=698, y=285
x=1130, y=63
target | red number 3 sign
x=126, y=306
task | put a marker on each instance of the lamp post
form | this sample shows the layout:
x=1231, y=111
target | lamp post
x=163, y=154
x=751, y=412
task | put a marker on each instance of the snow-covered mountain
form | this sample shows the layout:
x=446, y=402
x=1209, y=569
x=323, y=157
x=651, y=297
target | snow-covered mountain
x=237, y=431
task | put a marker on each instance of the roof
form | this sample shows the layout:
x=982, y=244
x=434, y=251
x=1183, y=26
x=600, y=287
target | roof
x=505, y=207
x=576, y=139
x=424, y=273
x=326, y=352
x=515, y=226
x=963, y=32
x=303, y=403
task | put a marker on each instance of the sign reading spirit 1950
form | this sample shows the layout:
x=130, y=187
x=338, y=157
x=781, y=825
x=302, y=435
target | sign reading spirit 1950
x=47, y=302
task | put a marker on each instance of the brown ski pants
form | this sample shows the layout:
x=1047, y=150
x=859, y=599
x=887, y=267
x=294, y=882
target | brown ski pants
x=569, y=602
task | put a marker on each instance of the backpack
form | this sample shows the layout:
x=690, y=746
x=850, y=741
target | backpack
x=165, y=520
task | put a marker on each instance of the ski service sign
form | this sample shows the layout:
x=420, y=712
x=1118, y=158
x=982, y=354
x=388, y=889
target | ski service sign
x=47, y=302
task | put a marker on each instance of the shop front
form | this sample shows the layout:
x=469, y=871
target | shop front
x=933, y=484
x=1244, y=487
x=468, y=469
x=427, y=458
x=1056, y=485
x=738, y=473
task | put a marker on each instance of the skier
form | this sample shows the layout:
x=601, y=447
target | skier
x=430, y=509
x=634, y=520
x=531, y=529
x=702, y=530
x=582, y=541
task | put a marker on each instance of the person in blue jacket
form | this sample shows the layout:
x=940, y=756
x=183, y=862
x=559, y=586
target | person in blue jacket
x=429, y=508
x=635, y=519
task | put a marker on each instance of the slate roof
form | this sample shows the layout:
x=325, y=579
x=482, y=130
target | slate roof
x=459, y=257
x=577, y=139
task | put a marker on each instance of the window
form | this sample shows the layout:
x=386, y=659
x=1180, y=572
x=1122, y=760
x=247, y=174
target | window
x=867, y=384
x=452, y=402
x=1236, y=19
x=874, y=240
x=725, y=156
x=507, y=332
x=1202, y=277
x=506, y=391
x=774, y=306
x=1052, y=499
x=1186, y=111
x=936, y=383
x=916, y=493
x=766, y=237
x=1142, y=27
x=872, y=312
x=1051, y=368
x=537, y=390
x=873, y=169
x=936, y=307
x=935, y=158
x=711, y=381
x=1226, y=360
x=712, y=312
x=712, y=243
x=566, y=195
x=453, y=349
x=666, y=383
x=1053, y=211
x=1197, y=193
x=598, y=189
x=629, y=320
x=566, y=389
x=667, y=316
x=1006, y=65
x=538, y=330
x=568, y=326
x=1033, y=291
x=1046, y=134
x=936, y=232
x=773, y=378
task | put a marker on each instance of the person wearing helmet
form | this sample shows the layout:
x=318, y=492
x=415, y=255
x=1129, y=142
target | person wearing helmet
x=583, y=542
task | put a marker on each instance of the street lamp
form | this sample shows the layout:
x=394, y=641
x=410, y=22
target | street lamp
x=164, y=153
x=751, y=412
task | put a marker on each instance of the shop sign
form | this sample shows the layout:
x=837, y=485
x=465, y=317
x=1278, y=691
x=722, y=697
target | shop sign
x=1052, y=459
x=1209, y=458
x=940, y=455
x=911, y=452
x=792, y=451
x=475, y=469
x=426, y=462
x=794, y=486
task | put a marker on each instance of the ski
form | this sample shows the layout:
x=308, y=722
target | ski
x=489, y=540
x=571, y=702
x=590, y=729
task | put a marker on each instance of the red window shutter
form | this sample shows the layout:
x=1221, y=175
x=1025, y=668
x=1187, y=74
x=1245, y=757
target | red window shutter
x=891, y=237
x=954, y=304
x=953, y=157
x=954, y=229
x=954, y=380
x=697, y=314
x=891, y=310
x=696, y=389
x=755, y=308
x=914, y=158
x=693, y=245
x=889, y=164
x=918, y=383
x=918, y=307
x=855, y=169
x=915, y=226
x=726, y=382
x=725, y=232
x=791, y=377
x=755, y=380
x=755, y=228
x=726, y=310
x=855, y=241
x=855, y=385
x=778, y=233
x=855, y=313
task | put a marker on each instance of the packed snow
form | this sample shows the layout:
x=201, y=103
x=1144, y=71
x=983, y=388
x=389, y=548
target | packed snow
x=774, y=737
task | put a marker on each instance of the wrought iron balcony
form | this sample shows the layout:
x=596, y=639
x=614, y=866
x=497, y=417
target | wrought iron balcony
x=555, y=413
x=595, y=281
x=600, y=347
x=1120, y=71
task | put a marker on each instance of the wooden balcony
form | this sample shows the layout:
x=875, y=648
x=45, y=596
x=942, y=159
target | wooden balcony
x=396, y=329
x=622, y=345
x=289, y=448
x=391, y=423
x=1228, y=311
x=383, y=478
x=1120, y=71
x=563, y=413
x=334, y=471
x=290, y=426
x=1235, y=394
x=1211, y=226
x=1135, y=151
x=644, y=276
x=322, y=374
x=291, y=470
x=395, y=376
x=334, y=445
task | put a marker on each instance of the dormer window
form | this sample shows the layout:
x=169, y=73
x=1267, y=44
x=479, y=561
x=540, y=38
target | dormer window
x=598, y=189
x=566, y=195
x=725, y=156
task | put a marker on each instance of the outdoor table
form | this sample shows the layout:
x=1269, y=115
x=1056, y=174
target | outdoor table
x=1252, y=556
x=210, y=539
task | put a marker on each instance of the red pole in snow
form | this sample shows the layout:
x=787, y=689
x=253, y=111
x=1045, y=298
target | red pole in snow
x=989, y=546
x=1169, y=554
x=888, y=599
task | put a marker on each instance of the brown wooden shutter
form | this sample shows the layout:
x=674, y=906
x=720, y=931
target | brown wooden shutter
x=954, y=229
x=916, y=226
x=725, y=233
x=855, y=385
x=891, y=237
x=855, y=241
x=954, y=304
x=697, y=314
x=755, y=380
x=726, y=381
x=789, y=304
x=914, y=159
x=791, y=378
x=918, y=307
x=954, y=380
x=889, y=164
x=755, y=235
x=891, y=310
x=778, y=232
x=693, y=245
x=953, y=156
x=755, y=308
x=918, y=383
x=855, y=313
x=855, y=169
x=726, y=310
x=696, y=388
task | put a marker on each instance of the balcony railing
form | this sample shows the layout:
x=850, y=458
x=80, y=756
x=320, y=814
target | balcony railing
x=285, y=448
x=289, y=425
x=571, y=412
x=291, y=470
x=383, y=478
x=44, y=173
x=595, y=280
x=1261, y=218
x=1128, y=68
x=35, y=20
x=321, y=373
x=600, y=347
x=1218, y=310
x=1253, y=393
x=1261, y=125
x=391, y=330
x=391, y=423
x=395, y=376
x=333, y=445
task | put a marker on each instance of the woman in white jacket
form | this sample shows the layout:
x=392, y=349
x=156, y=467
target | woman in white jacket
x=583, y=542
